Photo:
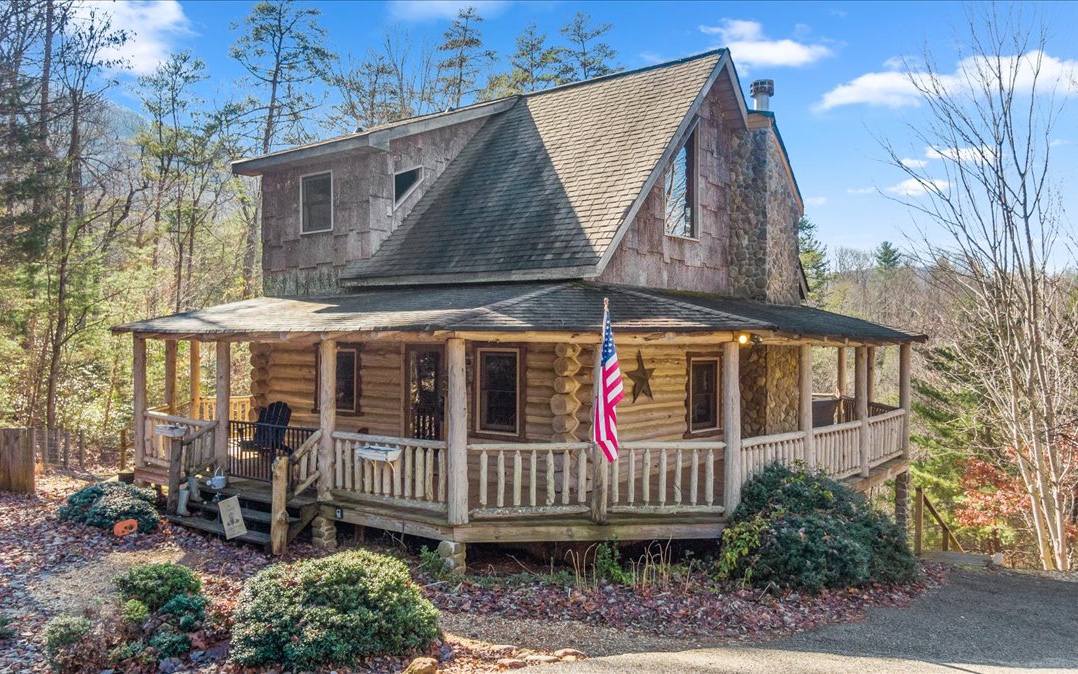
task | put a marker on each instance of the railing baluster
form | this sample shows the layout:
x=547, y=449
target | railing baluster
x=534, y=477
x=429, y=491
x=694, y=480
x=550, y=477
x=517, y=477
x=662, y=477
x=409, y=470
x=632, y=476
x=615, y=471
x=483, y=476
x=709, y=478
x=646, y=485
x=501, y=479
x=566, y=475
x=582, y=476
x=442, y=473
x=677, y=478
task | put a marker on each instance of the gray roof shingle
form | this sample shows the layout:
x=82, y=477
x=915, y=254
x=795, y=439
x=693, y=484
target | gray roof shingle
x=546, y=184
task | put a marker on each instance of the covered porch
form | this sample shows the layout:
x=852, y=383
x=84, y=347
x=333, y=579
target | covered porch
x=403, y=445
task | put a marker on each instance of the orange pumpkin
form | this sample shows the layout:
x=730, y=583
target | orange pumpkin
x=125, y=527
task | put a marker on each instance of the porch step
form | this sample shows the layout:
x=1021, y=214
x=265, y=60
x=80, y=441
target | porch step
x=259, y=492
x=215, y=527
x=249, y=515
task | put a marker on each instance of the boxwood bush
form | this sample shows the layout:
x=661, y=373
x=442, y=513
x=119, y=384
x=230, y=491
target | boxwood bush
x=332, y=610
x=801, y=529
x=156, y=584
x=103, y=505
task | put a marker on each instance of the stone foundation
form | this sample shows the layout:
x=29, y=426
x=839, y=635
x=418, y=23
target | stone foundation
x=453, y=556
x=323, y=533
x=902, y=501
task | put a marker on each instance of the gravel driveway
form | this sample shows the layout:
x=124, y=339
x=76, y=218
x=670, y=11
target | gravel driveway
x=981, y=621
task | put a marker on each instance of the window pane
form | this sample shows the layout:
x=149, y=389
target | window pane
x=346, y=381
x=703, y=405
x=403, y=181
x=498, y=392
x=677, y=192
x=317, y=203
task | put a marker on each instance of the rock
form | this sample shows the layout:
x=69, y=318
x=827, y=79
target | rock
x=569, y=653
x=508, y=649
x=511, y=663
x=422, y=666
x=170, y=665
x=197, y=655
x=541, y=659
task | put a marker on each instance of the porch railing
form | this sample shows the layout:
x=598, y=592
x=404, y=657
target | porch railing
x=158, y=447
x=535, y=477
x=759, y=452
x=885, y=436
x=252, y=447
x=838, y=449
x=416, y=477
x=673, y=476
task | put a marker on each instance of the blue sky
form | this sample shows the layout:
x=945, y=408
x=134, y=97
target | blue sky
x=835, y=67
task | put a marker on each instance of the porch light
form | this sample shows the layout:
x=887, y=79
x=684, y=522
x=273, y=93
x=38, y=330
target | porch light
x=743, y=339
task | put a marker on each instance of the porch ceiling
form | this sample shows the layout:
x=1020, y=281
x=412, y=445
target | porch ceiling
x=523, y=307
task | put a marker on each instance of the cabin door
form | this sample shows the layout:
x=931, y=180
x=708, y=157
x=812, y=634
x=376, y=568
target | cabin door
x=424, y=397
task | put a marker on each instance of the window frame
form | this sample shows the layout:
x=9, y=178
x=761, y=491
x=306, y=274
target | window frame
x=477, y=391
x=357, y=387
x=690, y=360
x=332, y=215
x=692, y=182
x=412, y=188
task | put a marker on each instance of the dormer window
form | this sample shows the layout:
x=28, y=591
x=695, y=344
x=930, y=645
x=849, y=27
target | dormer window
x=403, y=184
x=316, y=199
x=679, y=191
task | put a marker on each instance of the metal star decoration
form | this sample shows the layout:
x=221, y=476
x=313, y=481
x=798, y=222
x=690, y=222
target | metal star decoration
x=641, y=377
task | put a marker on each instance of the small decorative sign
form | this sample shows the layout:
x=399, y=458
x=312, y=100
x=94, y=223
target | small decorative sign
x=125, y=527
x=232, y=517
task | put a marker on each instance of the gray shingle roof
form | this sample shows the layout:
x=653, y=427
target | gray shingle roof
x=551, y=307
x=546, y=184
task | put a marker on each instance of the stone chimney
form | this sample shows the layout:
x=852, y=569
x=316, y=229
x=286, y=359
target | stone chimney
x=762, y=91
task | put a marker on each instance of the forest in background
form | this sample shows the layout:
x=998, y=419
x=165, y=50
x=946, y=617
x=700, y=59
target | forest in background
x=112, y=215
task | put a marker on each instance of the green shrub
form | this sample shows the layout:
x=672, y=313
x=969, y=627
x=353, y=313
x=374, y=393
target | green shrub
x=186, y=604
x=6, y=632
x=64, y=631
x=608, y=564
x=103, y=505
x=332, y=610
x=801, y=529
x=155, y=584
x=169, y=643
x=126, y=651
x=134, y=611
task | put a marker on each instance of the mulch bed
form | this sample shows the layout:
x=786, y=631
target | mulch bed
x=37, y=549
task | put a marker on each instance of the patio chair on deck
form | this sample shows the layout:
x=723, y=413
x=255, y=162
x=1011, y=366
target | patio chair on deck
x=270, y=428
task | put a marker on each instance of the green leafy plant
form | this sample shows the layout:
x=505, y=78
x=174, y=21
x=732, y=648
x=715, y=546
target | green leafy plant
x=331, y=610
x=62, y=632
x=169, y=643
x=126, y=651
x=6, y=632
x=156, y=584
x=801, y=529
x=135, y=612
x=103, y=505
x=432, y=563
x=608, y=564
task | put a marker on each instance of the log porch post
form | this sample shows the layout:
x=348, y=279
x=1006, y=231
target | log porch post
x=457, y=433
x=860, y=394
x=804, y=420
x=170, y=374
x=196, y=377
x=139, y=376
x=840, y=383
x=224, y=392
x=327, y=414
x=731, y=413
x=870, y=390
x=904, y=352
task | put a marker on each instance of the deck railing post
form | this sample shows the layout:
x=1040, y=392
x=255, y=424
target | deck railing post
x=904, y=394
x=861, y=401
x=327, y=415
x=279, y=505
x=457, y=433
x=805, y=410
x=731, y=413
x=139, y=376
x=224, y=392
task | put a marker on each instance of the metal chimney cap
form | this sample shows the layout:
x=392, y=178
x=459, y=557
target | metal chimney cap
x=765, y=87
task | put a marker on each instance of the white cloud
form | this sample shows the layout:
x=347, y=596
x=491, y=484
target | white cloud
x=1058, y=141
x=896, y=88
x=861, y=190
x=969, y=155
x=427, y=10
x=751, y=48
x=651, y=58
x=912, y=187
x=152, y=28
x=915, y=163
x=816, y=201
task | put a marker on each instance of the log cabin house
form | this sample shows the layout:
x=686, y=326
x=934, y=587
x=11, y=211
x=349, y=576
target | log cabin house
x=433, y=300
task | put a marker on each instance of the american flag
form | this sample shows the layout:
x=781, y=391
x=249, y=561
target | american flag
x=608, y=393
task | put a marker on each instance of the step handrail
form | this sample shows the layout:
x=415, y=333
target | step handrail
x=921, y=501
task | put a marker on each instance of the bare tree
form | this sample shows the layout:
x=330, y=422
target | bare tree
x=996, y=205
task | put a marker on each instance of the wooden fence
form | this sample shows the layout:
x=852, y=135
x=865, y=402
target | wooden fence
x=16, y=460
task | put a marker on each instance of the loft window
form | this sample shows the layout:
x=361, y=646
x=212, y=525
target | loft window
x=316, y=197
x=703, y=394
x=499, y=391
x=348, y=384
x=679, y=191
x=403, y=184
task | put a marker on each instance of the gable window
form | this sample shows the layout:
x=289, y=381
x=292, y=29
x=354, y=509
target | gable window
x=348, y=388
x=403, y=184
x=498, y=394
x=703, y=399
x=316, y=198
x=679, y=191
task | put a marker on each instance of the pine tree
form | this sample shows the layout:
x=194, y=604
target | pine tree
x=586, y=58
x=466, y=58
x=813, y=258
x=887, y=256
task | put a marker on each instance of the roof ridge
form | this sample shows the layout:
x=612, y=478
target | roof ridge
x=508, y=302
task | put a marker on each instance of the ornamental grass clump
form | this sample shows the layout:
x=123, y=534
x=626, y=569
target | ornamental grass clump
x=331, y=611
x=803, y=530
